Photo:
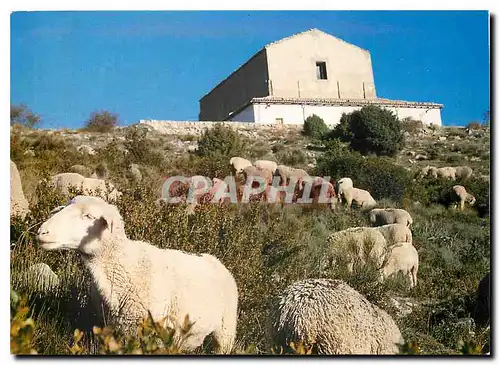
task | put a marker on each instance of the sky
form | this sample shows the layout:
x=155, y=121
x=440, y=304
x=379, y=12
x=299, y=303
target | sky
x=157, y=65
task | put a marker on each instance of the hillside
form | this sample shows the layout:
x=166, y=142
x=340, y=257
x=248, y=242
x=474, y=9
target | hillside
x=268, y=247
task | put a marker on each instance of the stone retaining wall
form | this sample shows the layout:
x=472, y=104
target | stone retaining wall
x=196, y=128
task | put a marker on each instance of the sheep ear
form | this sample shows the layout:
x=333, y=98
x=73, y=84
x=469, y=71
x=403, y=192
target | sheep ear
x=107, y=222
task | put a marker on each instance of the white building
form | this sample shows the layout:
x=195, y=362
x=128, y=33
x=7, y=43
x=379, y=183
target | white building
x=308, y=73
x=278, y=110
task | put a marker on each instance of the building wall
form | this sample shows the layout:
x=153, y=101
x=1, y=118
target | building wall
x=295, y=114
x=292, y=68
x=247, y=82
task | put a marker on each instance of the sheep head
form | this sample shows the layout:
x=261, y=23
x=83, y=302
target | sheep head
x=79, y=226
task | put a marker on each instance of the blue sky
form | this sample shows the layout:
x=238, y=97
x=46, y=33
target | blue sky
x=157, y=65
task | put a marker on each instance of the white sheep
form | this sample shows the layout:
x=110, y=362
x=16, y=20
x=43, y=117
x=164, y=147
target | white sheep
x=239, y=164
x=462, y=196
x=334, y=319
x=62, y=183
x=463, y=172
x=349, y=194
x=382, y=216
x=401, y=257
x=287, y=173
x=358, y=242
x=266, y=165
x=396, y=232
x=134, y=277
x=446, y=172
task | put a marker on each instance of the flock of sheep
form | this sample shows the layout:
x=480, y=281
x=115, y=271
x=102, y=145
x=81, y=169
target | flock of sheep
x=133, y=277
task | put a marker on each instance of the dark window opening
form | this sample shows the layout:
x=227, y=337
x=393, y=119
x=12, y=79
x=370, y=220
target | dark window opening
x=321, y=70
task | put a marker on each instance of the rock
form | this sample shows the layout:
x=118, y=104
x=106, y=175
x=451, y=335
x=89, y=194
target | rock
x=421, y=157
x=135, y=173
x=18, y=203
x=86, y=149
x=442, y=138
x=40, y=278
x=29, y=152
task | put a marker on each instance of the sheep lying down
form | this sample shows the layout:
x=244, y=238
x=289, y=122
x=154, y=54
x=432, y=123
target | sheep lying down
x=134, y=277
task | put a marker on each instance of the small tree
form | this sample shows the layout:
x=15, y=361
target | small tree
x=315, y=127
x=20, y=114
x=102, y=121
x=219, y=141
x=371, y=129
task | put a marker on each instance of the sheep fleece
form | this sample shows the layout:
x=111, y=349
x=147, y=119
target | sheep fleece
x=139, y=277
x=335, y=317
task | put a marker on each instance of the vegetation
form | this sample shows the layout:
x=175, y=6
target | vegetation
x=371, y=129
x=21, y=115
x=266, y=247
x=101, y=121
x=219, y=141
x=315, y=127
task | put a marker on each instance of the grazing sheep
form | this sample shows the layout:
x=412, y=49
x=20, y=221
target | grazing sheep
x=482, y=306
x=359, y=240
x=446, y=173
x=428, y=170
x=239, y=164
x=62, y=183
x=350, y=194
x=463, y=172
x=18, y=204
x=462, y=196
x=82, y=170
x=382, y=216
x=320, y=194
x=396, y=232
x=334, y=319
x=134, y=277
x=287, y=173
x=266, y=165
x=251, y=171
x=401, y=257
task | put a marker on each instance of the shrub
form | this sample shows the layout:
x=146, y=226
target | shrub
x=315, y=127
x=220, y=140
x=102, y=121
x=379, y=176
x=474, y=125
x=371, y=129
x=292, y=157
x=20, y=114
x=140, y=149
x=411, y=125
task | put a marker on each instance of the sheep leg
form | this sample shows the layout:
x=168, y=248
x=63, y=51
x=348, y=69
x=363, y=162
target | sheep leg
x=413, y=276
x=224, y=339
x=410, y=276
x=462, y=204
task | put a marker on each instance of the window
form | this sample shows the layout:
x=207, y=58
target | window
x=321, y=70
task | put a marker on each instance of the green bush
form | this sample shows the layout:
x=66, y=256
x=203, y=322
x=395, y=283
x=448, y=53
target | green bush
x=379, y=176
x=411, y=125
x=315, y=127
x=292, y=156
x=102, y=121
x=220, y=140
x=140, y=148
x=371, y=129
